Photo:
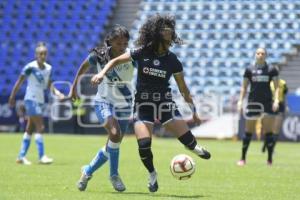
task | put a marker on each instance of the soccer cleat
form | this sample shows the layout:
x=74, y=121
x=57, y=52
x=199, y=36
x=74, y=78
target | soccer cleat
x=83, y=181
x=23, y=161
x=46, y=160
x=269, y=163
x=241, y=163
x=153, y=185
x=117, y=183
x=201, y=152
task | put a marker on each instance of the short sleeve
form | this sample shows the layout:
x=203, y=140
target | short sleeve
x=136, y=53
x=274, y=72
x=247, y=74
x=92, y=58
x=26, y=71
x=177, y=66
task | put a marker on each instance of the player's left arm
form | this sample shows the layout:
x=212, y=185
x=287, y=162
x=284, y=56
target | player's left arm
x=185, y=92
x=55, y=91
x=276, y=93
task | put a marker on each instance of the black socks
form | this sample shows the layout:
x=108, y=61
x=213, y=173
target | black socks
x=188, y=140
x=246, y=142
x=270, y=145
x=146, y=153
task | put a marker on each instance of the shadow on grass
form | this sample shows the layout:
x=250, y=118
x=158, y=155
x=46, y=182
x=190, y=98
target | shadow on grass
x=160, y=195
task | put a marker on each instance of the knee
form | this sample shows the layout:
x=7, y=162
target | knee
x=41, y=129
x=144, y=143
x=29, y=131
x=248, y=136
x=114, y=133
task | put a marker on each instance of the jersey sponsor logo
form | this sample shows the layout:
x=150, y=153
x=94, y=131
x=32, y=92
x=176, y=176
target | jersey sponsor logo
x=260, y=78
x=146, y=59
x=154, y=72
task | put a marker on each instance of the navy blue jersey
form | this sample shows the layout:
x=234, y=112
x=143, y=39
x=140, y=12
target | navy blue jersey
x=260, y=78
x=154, y=72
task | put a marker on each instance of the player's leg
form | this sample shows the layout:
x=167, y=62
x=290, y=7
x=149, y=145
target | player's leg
x=109, y=151
x=143, y=131
x=39, y=140
x=277, y=126
x=180, y=129
x=113, y=148
x=25, y=143
x=268, y=126
x=278, y=119
x=102, y=112
x=249, y=130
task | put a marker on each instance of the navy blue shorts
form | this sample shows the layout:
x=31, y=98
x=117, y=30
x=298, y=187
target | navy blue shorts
x=152, y=111
x=257, y=109
x=281, y=108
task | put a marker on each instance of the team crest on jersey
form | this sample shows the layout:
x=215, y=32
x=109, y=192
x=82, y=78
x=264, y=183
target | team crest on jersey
x=156, y=62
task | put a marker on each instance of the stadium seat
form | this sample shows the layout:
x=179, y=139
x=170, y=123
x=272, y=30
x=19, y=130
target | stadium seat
x=223, y=35
x=58, y=23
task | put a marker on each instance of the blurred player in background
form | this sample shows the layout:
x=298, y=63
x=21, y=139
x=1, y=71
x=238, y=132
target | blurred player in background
x=113, y=92
x=283, y=90
x=38, y=75
x=21, y=113
x=153, y=99
x=260, y=102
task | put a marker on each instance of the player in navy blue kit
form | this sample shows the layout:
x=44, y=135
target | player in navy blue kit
x=260, y=102
x=113, y=93
x=153, y=99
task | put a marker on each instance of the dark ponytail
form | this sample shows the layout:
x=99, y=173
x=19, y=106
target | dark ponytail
x=117, y=31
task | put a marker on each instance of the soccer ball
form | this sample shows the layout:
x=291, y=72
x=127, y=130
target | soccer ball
x=182, y=167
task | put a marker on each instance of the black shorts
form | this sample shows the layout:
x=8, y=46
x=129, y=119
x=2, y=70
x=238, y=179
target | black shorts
x=151, y=111
x=281, y=108
x=257, y=109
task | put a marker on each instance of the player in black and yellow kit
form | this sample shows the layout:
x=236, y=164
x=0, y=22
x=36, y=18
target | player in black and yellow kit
x=260, y=102
x=153, y=100
x=283, y=90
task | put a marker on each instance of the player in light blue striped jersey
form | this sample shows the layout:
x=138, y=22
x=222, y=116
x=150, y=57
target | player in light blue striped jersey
x=113, y=94
x=38, y=75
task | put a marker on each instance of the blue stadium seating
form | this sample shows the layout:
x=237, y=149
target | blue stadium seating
x=70, y=28
x=222, y=36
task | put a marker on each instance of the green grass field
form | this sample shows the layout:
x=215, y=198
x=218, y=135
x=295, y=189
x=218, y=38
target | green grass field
x=218, y=178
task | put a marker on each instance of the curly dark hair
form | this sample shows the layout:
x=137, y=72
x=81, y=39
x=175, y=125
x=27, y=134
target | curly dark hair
x=150, y=33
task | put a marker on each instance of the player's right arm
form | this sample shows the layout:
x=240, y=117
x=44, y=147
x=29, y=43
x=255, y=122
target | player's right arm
x=125, y=57
x=19, y=82
x=242, y=94
x=82, y=69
